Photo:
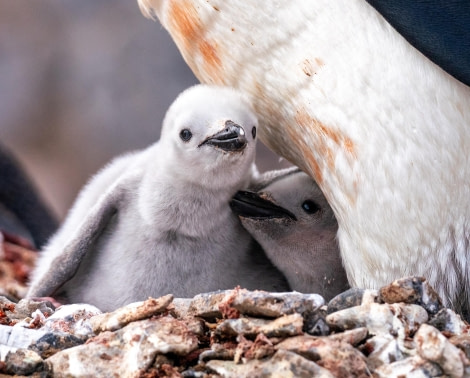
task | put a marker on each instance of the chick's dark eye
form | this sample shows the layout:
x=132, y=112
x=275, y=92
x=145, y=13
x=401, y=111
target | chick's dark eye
x=310, y=207
x=253, y=132
x=186, y=135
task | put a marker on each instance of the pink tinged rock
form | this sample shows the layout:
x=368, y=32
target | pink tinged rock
x=282, y=364
x=288, y=325
x=72, y=319
x=435, y=347
x=117, y=319
x=129, y=351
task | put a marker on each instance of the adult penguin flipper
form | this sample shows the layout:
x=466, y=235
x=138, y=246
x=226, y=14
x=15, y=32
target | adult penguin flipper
x=64, y=265
x=438, y=29
x=20, y=200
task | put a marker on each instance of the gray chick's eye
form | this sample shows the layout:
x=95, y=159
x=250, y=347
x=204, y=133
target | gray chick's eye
x=253, y=132
x=185, y=135
x=310, y=207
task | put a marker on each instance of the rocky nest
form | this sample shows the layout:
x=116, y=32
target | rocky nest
x=400, y=330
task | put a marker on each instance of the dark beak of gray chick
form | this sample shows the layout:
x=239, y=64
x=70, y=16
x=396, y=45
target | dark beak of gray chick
x=251, y=205
x=231, y=139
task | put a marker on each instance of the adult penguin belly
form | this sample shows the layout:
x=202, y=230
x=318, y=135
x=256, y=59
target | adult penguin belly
x=340, y=93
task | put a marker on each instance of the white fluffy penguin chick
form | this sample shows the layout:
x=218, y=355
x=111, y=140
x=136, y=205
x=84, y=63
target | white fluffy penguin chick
x=158, y=221
x=290, y=218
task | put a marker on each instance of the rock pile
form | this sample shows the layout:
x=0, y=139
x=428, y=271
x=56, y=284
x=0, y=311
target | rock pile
x=399, y=330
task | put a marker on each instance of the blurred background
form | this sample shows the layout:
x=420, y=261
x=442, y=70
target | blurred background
x=82, y=81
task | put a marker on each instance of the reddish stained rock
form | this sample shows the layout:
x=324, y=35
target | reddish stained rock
x=340, y=358
x=111, y=321
x=412, y=290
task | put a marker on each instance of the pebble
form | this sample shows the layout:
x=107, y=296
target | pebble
x=399, y=330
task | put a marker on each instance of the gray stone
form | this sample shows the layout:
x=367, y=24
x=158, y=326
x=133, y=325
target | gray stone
x=288, y=325
x=412, y=290
x=23, y=362
x=447, y=320
x=315, y=322
x=350, y=298
x=51, y=343
x=282, y=364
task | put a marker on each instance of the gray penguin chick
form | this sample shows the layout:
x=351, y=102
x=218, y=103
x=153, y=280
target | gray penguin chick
x=158, y=221
x=290, y=218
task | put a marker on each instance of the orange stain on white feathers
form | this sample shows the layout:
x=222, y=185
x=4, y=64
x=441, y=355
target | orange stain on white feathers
x=324, y=143
x=188, y=32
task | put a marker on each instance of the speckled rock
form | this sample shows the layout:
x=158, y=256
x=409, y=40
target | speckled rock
x=130, y=350
x=236, y=333
x=117, y=319
x=231, y=303
x=338, y=357
x=22, y=362
x=285, y=326
x=25, y=307
x=73, y=319
x=265, y=304
x=433, y=346
x=447, y=320
x=412, y=290
x=411, y=367
x=282, y=364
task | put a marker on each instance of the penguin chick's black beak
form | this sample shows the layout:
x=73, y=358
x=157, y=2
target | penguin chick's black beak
x=231, y=139
x=252, y=205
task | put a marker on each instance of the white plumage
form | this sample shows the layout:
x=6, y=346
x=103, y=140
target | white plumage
x=383, y=130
